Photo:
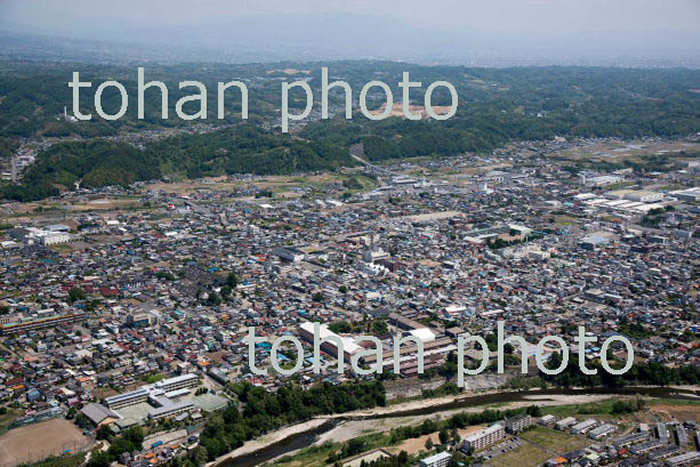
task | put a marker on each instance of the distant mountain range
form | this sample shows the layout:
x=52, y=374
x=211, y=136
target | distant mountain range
x=331, y=36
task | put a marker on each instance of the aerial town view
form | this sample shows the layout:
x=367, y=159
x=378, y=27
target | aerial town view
x=354, y=276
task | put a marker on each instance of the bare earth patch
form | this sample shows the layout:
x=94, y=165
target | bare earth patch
x=35, y=442
x=679, y=412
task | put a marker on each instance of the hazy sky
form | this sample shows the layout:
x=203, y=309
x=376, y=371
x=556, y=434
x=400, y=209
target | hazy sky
x=518, y=27
x=530, y=16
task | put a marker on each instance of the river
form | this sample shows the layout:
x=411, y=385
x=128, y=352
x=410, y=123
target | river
x=307, y=438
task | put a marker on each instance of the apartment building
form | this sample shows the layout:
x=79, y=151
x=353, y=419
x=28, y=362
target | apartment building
x=518, y=423
x=441, y=459
x=484, y=438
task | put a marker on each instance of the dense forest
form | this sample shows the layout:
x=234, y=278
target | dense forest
x=93, y=163
x=651, y=373
x=495, y=106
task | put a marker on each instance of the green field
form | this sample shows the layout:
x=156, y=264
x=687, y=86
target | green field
x=6, y=420
x=526, y=455
x=601, y=409
x=312, y=456
x=556, y=441
x=67, y=461
x=317, y=455
x=674, y=402
x=151, y=379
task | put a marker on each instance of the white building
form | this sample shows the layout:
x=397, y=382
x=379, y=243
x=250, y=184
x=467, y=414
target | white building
x=602, y=180
x=583, y=426
x=328, y=340
x=423, y=334
x=565, y=423
x=644, y=196
x=170, y=410
x=441, y=459
x=639, y=196
x=374, y=254
x=178, y=382
x=155, y=393
x=54, y=238
x=602, y=431
x=485, y=437
x=128, y=399
x=289, y=254
x=691, y=194
x=518, y=423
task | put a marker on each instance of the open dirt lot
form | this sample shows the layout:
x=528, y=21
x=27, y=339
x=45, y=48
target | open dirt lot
x=36, y=442
x=679, y=412
x=415, y=445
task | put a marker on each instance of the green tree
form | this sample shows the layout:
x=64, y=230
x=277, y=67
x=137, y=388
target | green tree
x=76, y=294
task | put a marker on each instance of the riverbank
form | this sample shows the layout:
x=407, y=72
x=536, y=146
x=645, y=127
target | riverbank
x=353, y=428
x=270, y=439
x=342, y=427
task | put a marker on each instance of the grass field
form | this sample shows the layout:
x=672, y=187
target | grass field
x=554, y=440
x=316, y=456
x=601, y=409
x=312, y=456
x=68, y=461
x=681, y=409
x=526, y=455
x=6, y=420
x=152, y=379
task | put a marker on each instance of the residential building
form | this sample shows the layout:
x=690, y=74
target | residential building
x=484, y=438
x=441, y=459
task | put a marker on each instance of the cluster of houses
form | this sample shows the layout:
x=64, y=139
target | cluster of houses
x=172, y=288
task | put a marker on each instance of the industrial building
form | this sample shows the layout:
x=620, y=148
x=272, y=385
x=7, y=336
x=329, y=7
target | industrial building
x=434, y=354
x=41, y=323
x=639, y=196
x=602, y=180
x=691, y=194
x=328, y=340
